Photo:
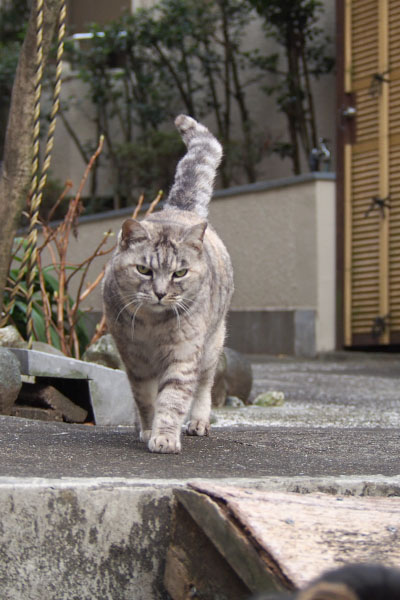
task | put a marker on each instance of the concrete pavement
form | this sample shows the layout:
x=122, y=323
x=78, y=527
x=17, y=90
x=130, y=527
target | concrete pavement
x=341, y=417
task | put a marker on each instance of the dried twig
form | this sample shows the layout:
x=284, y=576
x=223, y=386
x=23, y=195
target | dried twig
x=56, y=241
x=100, y=330
x=154, y=203
x=91, y=286
x=65, y=191
x=138, y=206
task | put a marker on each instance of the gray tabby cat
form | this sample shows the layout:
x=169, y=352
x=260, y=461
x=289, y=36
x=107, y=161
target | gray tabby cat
x=166, y=293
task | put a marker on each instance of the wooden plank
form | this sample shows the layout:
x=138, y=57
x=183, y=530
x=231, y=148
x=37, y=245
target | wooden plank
x=253, y=565
x=303, y=534
x=193, y=563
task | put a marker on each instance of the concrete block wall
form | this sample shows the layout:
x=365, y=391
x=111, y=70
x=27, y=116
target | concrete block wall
x=281, y=237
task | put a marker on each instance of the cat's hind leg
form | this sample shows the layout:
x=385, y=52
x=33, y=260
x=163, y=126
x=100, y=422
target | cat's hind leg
x=199, y=423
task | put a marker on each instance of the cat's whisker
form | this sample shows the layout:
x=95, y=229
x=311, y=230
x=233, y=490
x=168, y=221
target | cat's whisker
x=178, y=318
x=183, y=306
x=133, y=319
x=184, y=310
x=134, y=301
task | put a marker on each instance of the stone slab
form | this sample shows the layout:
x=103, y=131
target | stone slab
x=110, y=393
x=88, y=540
x=288, y=531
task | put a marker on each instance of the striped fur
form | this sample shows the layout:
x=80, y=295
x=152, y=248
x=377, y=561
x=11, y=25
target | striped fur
x=195, y=173
x=168, y=315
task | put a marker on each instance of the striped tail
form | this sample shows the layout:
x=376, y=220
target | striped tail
x=196, y=171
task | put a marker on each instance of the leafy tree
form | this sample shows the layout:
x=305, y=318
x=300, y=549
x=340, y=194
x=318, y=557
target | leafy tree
x=131, y=99
x=201, y=44
x=294, y=25
x=145, y=68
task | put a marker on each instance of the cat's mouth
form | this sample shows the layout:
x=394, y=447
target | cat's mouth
x=159, y=305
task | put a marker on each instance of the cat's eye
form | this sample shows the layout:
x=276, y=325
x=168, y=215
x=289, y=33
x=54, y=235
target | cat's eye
x=143, y=270
x=180, y=273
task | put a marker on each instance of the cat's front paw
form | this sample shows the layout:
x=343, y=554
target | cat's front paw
x=165, y=444
x=198, y=427
x=145, y=435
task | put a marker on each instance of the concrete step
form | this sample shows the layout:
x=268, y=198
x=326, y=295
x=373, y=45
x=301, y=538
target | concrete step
x=107, y=538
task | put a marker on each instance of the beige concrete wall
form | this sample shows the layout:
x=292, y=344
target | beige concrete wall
x=271, y=236
x=281, y=238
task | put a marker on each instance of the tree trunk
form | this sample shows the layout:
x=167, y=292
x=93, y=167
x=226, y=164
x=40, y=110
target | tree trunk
x=17, y=160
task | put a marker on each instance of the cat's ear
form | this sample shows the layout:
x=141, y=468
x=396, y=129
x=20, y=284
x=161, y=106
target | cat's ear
x=132, y=232
x=195, y=235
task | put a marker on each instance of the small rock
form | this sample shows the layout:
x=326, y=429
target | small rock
x=239, y=375
x=11, y=338
x=234, y=402
x=10, y=380
x=43, y=347
x=104, y=352
x=234, y=377
x=272, y=398
x=218, y=392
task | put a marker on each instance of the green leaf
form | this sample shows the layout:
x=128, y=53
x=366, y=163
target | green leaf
x=55, y=337
x=39, y=326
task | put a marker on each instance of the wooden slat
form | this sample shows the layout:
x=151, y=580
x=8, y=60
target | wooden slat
x=347, y=244
x=394, y=168
x=363, y=43
x=384, y=294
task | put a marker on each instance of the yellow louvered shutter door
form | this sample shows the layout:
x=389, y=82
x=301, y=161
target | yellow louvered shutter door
x=372, y=182
x=394, y=170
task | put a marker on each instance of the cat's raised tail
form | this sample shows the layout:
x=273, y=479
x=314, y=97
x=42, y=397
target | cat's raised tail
x=196, y=171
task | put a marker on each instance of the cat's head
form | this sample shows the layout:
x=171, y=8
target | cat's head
x=159, y=265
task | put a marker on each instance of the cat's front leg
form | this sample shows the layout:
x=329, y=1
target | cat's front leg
x=145, y=394
x=175, y=394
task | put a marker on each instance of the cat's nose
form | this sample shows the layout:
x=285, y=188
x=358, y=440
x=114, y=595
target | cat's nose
x=160, y=295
